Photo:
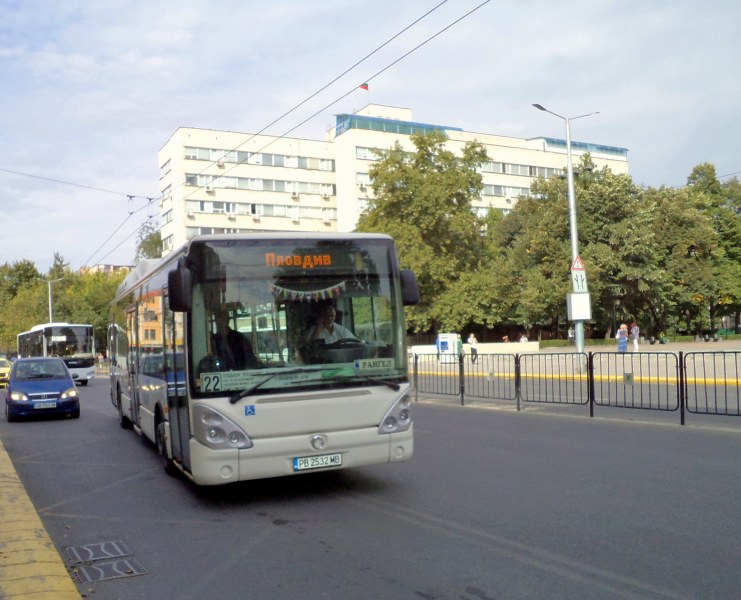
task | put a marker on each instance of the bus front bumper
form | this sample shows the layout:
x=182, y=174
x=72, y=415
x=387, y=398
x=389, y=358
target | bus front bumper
x=275, y=457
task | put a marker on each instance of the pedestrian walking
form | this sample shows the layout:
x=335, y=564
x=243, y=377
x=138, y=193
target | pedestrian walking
x=571, y=335
x=635, y=335
x=473, y=342
x=622, y=338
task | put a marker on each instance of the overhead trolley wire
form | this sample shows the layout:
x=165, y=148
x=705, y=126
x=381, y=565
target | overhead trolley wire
x=130, y=235
x=275, y=121
x=343, y=96
x=316, y=93
x=61, y=181
x=115, y=231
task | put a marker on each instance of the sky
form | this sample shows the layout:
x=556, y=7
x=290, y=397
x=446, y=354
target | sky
x=90, y=90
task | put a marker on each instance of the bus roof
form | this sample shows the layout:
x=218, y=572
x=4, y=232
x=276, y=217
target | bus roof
x=43, y=326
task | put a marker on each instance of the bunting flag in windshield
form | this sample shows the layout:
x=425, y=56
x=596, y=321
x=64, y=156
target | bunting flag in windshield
x=308, y=295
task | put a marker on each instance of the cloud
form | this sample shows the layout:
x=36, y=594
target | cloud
x=90, y=91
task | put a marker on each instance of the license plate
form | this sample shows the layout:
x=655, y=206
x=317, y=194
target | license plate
x=44, y=405
x=322, y=461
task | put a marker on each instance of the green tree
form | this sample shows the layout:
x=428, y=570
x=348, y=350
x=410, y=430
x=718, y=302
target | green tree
x=59, y=267
x=423, y=199
x=718, y=288
x=93, y=293
x=149, y=244
x=76, y=297
x=730, y=226
x=531, y=276
x=685, y=236
x=15, y=279
x=615, y=244
x=16, y=276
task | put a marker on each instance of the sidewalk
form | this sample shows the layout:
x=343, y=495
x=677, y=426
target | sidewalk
x=30, y=566
x=719, y=346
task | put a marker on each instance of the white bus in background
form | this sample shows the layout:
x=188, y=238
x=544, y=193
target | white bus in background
x=74, y=343
x=298, y=405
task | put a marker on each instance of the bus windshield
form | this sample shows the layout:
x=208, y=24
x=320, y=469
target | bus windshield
x=70, y=341
x=57, y=339
x=287, y=314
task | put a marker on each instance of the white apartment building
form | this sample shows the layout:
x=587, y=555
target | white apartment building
x=228, y=182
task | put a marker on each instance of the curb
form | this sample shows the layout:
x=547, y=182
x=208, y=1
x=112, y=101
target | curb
x=30, y=565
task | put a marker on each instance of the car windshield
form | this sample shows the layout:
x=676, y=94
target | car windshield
x=4, y=364
x=40, y=370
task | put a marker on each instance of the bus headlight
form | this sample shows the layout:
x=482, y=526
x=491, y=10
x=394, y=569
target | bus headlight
x=216, y=431
x=397, y=418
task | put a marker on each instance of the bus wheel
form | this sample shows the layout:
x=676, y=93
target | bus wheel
x=123, y=420
x=167, y=462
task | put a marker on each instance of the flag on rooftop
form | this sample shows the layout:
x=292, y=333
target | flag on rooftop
x=364, y=86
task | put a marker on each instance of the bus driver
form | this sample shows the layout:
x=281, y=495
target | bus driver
x=327, y=330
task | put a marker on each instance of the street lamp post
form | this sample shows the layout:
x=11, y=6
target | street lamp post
x=578, y=324
x=48, y=283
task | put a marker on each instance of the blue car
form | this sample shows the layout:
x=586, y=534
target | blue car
x=41, y=386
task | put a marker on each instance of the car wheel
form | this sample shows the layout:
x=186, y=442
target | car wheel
x=8, y=418
x=167, y=462
x=123, y=420
x=83, y=382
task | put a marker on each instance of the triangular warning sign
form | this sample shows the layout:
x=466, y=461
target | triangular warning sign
x=578, y=265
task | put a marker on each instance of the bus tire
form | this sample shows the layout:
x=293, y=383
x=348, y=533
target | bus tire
x=123, y=421
x=167, y=463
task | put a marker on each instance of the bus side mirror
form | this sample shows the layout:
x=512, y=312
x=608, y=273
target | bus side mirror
x=409, y=289
x=180, y=285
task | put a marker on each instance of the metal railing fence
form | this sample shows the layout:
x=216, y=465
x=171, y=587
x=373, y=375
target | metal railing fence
x=712, y=383
x=705, y=383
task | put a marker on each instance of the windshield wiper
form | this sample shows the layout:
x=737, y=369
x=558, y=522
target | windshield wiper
x=250, y=390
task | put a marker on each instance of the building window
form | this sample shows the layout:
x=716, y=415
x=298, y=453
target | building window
x=362, y=153
x=165, y=168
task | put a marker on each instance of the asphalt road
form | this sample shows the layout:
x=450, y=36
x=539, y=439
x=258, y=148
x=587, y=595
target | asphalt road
x=495, y=504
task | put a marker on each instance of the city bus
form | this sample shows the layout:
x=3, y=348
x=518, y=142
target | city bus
x=74, y=343
x=278, y=400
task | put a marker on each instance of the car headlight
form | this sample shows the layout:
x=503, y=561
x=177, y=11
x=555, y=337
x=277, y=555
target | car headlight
x=18, y=396
x=70, y=393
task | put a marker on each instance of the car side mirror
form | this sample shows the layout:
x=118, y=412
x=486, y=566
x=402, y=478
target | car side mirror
x=409, y=288
x=180, y=288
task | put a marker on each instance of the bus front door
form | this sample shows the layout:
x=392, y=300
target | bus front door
x=177, y=400
x=134, y=365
